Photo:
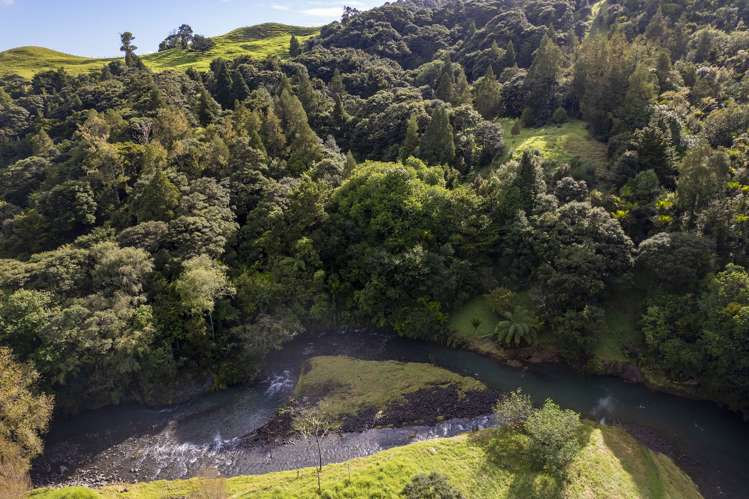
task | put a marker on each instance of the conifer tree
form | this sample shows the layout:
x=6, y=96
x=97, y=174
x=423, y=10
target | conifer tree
x=131, y=60
x=208, y=108
x=411, y=141
x=304, y=144
x=350, y=165
x=510, y=57
x=438, y=143
x=462, y=88
x=223, y=83
x=295, y=48
x=336, y=84
x=541, y=82
x=445, y=90
x=487, y=95
x=272, y=133
x=240, y=91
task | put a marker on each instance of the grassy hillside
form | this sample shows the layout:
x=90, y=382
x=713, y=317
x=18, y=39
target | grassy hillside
x=258, y=42
x=611, y=465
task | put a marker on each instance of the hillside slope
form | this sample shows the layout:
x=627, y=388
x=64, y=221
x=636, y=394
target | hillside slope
x=258, y=42
x=612, y=465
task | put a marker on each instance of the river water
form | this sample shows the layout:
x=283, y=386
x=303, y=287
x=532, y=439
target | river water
x=133, y=443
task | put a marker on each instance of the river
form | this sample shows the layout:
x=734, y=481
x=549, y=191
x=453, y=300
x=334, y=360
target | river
x=134, y=443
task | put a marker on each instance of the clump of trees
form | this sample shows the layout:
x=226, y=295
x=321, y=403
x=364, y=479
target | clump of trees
x=184, y=38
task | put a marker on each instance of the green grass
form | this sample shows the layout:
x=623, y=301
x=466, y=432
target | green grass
x=258, y=42
x=556, y=142
x=348, y=385
x=612, y=465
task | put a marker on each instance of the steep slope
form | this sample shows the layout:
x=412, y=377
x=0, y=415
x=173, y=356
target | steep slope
x=258, y=41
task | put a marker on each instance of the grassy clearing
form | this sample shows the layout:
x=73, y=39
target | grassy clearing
x=348, y=385
x=257, y=42
x=556, y=142
x=611, y=465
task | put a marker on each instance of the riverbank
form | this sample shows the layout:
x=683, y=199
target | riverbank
x=611, y=465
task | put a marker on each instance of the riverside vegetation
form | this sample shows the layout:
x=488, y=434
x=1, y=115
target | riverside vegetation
x=576, y=175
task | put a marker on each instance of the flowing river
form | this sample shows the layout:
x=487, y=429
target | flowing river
x=135, y=443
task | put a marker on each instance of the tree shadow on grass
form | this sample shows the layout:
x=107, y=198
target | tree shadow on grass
x=510, y=451
x=636, y=460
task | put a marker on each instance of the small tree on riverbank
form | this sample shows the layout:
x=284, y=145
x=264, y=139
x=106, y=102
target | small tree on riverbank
x=314, y=426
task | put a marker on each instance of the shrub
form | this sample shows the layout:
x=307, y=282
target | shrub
x=554, y=436
x=500, y=299
x=431, y=486
x=559, y=116
x=513, y=409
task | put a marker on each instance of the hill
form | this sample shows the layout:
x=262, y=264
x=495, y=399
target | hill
x=258, y=42
x=611, y=465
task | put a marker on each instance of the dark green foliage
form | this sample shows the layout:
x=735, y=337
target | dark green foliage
x=438, y=143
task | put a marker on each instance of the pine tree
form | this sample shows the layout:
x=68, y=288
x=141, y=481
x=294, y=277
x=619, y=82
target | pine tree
x=487, y=95
x=527, y=185
x=295, y=48
x=304, y=144
x=240, y=91
x=208, y=108
x=510, y=58
x=445, y=90
x=223, y=83
x=541, y=82
x=438, y=143
x=411, y=141
x=336, y=84
x=462, y=88
x=131, y=60
x=273, y=135
x=306, y=92
x=641, y=90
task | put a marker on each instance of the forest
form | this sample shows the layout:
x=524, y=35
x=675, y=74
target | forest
x=161, y=229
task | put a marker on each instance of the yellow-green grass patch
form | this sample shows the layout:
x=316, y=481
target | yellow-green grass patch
x=346, y=386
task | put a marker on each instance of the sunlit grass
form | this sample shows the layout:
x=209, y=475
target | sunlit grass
x=563, y=143
x=348, y=385
x=612, y=465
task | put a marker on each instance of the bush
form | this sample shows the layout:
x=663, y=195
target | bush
x=500, y=300
x=431, y=486
x=513, y=410
x=559, y=116
x=554, y=436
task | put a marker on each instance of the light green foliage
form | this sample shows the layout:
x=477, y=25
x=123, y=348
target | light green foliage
x=554, y=437
x=517, y=327
x=513, y=410
x=201, y=283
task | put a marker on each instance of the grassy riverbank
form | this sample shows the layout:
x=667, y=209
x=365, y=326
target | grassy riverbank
x=611, y=465
x=342, y=386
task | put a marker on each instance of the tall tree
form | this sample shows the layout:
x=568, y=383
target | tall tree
x=542, y=81
x=295, y=48
x=487, y=97
x=129, y=49
x=438, y=142
x=411, y=140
